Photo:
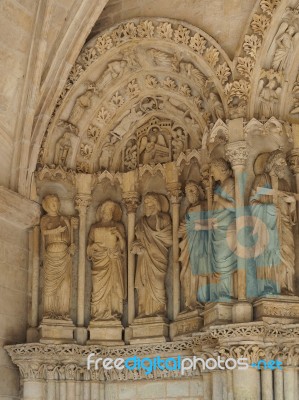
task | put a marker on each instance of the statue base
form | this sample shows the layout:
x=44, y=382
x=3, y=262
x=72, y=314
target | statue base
x=218, y=313
x=273, y=309
x=185, y=324
x=147, y=330
x=56, y=331
x=108, y=333
x=242, y=312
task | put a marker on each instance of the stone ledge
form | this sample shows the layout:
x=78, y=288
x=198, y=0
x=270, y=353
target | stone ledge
x=17, y=209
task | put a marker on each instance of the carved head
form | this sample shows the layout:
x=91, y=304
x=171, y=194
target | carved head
x=276, y=164
x=220, y=169
x=109, y=211
x=194, y=192
x=291, y=30
x=152, y=204
x=51, y=204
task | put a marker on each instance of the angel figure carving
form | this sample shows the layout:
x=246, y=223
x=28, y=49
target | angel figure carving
x=106, y=246
x=57, y=235
x=81, y=104
x=269, y=95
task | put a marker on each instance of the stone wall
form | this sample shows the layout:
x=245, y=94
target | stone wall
x=13, y=283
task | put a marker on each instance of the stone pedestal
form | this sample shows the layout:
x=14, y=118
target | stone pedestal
x=282, y=309
x=186, y=323
x=109, y=333
x=148, y=330
x=242, y=311
x=56, y=331
x=218, y=313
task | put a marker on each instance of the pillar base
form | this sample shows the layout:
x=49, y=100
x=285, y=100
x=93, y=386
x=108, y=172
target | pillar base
x=56, y=331
x=81, y=335
x=185, y=324
x=148, y=330
x=218, y=313
x=108, y=333
x=282, y=309
x=242, y=312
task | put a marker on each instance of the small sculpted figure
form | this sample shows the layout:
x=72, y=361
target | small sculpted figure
x=154, y=237
x=106, y=246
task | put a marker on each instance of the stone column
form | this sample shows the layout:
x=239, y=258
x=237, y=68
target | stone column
x=278, y=385
x=131, y=201
x=82, y=202
x=34, y=390
x=237, y=154
x=267, y=384
x=174, y=192
x=32, y=331
x=289, y=383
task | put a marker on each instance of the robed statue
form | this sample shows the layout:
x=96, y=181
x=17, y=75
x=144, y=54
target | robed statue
x=194, y=250
x=57, y=235
x=154, y=237
x=274, y=211
x=106, y=246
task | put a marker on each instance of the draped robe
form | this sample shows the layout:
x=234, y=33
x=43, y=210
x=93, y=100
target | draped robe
x=152, y=265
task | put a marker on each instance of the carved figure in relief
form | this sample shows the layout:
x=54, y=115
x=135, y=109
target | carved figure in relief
x=128, y=119
x=107, y=153
x=223, y=256
x=193, y=251
x=57, y=235
x=115, y=69
x=154, y=237
x=130, y=155
x=274, y=212
x=178, y=143
x=106, y=246
x=81, y=104
x=284, y=47
x=216, y=106
x=153, y=148
x=62, y=149
x=269, y=97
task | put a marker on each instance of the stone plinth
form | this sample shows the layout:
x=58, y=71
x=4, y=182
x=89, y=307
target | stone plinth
x=56, y=331
x=218, y=313
x=186, y=323
x=284, y=309
x=242, y=311
x=109, y=333
x=148, y=330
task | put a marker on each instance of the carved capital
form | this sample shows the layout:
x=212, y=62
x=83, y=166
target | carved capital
x=237, y=153
x=293, y=161
x=174, y=192
x=82, y=202
x=131, y=201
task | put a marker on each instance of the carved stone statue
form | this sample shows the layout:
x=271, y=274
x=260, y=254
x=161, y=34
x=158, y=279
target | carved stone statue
x=216, y=106
x=81, y=104
x=193, y=246
x=223, y=256
x=107, y=153
x=62, y=149
x=154, y=237
x=57, y=260
x=274, y=210
x=284, y=48
x=106, y=245
x=269, y=97
x=153, y=148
